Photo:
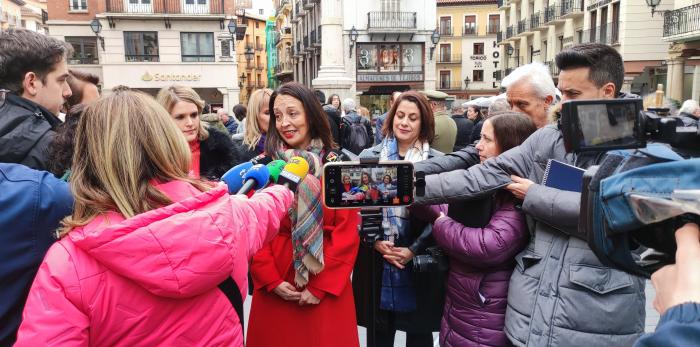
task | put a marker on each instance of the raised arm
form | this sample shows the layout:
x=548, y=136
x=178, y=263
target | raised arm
x=459, y=160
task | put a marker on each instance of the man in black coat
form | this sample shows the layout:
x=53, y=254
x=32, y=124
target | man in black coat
x=464, y=125
x=33, y=87
x=332, y=114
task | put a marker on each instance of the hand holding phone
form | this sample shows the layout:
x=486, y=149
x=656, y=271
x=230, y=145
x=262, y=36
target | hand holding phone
x=353, y=184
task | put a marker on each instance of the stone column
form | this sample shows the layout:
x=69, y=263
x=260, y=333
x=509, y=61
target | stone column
x=230, y=97
x=332, y=76
x=674, y=79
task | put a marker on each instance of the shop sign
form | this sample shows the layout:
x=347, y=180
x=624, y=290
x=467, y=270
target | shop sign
x=402, y=77
x=478, y=57
x=171, y=77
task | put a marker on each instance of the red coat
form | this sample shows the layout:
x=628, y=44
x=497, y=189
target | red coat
x=276, y=322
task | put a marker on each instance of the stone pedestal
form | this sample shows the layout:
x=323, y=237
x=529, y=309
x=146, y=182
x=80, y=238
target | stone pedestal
x=674, y=80
x=696, y=83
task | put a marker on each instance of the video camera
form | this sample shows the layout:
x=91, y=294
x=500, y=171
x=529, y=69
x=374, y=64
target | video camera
x=642, y=191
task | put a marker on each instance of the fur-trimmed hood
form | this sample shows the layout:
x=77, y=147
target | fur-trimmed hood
x=217, y=155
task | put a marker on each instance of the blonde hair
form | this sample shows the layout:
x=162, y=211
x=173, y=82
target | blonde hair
x=363, y=111
x=169, y=96
x=257, y=101
x=124, y=142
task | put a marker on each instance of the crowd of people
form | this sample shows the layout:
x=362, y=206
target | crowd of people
x=117, y=228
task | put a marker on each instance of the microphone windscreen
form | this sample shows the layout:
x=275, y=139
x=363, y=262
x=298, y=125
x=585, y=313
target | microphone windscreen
x=259, y=173
x=276, y=168
x=261, y=159
x=234, y=176
x=297, y=166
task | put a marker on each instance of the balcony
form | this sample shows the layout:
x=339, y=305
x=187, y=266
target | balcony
x=536, y=21
x=447, y=85
x=682, y=24
x=282, y=5
x=509, y=32
x=553, y=69
x=446, y=31
x=524, y=27
x=284, y=68
x=469, y=30
x=493, y=29
x=260, y=67
x=181, y=7
x=449, y=58
x=308, y=4
x=571, y=8
x=551, y=13
x=605, y=34
x=502, y=4
x=391, y=21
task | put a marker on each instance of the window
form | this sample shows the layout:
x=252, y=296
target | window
x=479, y=48
x=225, y=48
x=446, y=26
x=478, y=76
x=197, y=47
x=494, y=23
x=389, y=57
x=445, y=53
x=84, y=50
x=444, y=80
x=469, y=25
x=141, y=46
x=615, y=25
x=261, y=11
x=77, y=5
x=198, y=2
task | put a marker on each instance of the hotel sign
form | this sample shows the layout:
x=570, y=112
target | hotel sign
x=194, y=77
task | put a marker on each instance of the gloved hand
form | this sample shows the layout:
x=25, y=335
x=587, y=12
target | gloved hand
x=427, y=213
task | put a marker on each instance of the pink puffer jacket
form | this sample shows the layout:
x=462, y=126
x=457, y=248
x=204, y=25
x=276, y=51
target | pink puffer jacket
x=151, y=280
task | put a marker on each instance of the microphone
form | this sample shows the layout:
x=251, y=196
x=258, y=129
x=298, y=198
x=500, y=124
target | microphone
x=261, y=159
x=234, y=176
x=256, y=177
x=293, y=173
x=276, y=168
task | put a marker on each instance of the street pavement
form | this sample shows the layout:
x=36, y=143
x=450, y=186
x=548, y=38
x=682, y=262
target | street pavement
x=651, y=320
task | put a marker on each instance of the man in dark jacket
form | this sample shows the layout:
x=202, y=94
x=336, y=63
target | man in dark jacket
x=33, y=80
x=464, y=126
x=350, y=108
x=560, y=293
x=32, y=204
x=379, y=121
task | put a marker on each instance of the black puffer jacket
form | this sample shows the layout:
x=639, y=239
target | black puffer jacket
x=26, y=131
x=217, y=155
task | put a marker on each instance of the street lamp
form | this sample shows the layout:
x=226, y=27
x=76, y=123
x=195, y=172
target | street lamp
x=653, y=4
x=353, y=38
x=509, y=50
x=232, y=26
x=241, y=80
x=249, y=54
x=96, y=27
x=466, y=83
x=435, y=38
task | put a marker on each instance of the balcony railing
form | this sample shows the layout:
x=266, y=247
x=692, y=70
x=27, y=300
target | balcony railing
x=284, y=67
x=553, y=69
x=571, y=6
x=606, y=34
x=509, y=32
x=551, y=13
x=682, y=21
x=448, y=85
x=166, y=7
x=446, y=31
x=535, y=20
x=499, y=36
x=469, y=30
x=449, y=58
x=523, y=26
x=391, y=20
x=493, y=29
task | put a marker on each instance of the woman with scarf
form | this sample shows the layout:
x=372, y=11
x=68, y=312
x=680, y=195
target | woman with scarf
x=252, y=140
x=303, y=295
x=407, y=300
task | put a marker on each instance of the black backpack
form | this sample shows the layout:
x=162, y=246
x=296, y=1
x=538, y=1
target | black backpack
x=354, y=134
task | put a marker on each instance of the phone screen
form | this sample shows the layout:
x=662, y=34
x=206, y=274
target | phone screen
x=351, y=185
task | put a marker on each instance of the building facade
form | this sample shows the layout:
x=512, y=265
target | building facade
x=251, y=54
x=283, y=42
x=151, y=44
x=467, y=54
x=682, y=31
x=271, y=49
x=535, y=31
x=27, y=14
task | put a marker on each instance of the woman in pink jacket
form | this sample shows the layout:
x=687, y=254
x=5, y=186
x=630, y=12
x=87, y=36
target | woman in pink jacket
x=140, y=260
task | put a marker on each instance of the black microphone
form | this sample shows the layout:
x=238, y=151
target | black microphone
x=261, y=159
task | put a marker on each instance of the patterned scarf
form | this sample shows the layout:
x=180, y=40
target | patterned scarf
x=397, y=293
x=306, y=214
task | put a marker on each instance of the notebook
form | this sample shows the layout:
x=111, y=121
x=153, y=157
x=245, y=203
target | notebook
x=563, y=176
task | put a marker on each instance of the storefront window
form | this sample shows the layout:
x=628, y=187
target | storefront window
x=367, y=58
x=389, y=58
x=412, y=57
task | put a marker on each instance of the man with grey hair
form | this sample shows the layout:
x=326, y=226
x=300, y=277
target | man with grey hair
x=689, y=113
x=355, y=130
x=530, y=90
x=228, y=121
x=464, y=125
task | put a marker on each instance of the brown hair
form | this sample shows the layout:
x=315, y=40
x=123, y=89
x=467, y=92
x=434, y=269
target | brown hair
x=319, y=127
x=427, y=119
x=510, y=129
x=76, y=81
x=61, y=150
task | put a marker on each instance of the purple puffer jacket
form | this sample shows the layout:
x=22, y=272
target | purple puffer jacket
x=481, y=262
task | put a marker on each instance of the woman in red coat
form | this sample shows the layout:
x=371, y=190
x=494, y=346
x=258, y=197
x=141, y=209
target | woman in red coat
x=303, y=295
